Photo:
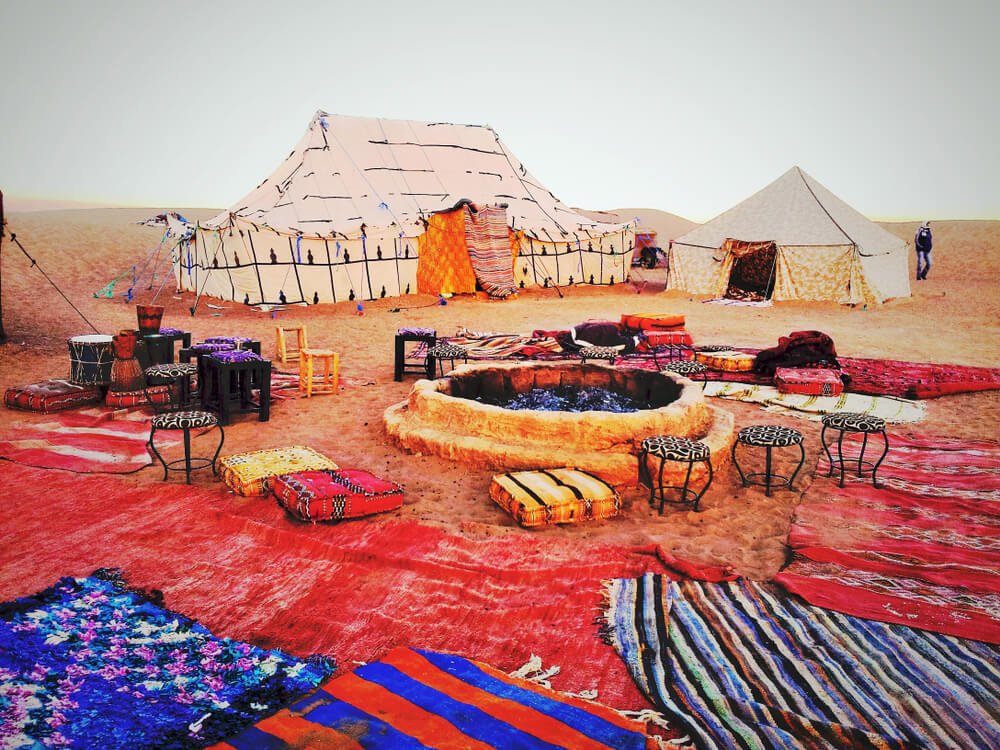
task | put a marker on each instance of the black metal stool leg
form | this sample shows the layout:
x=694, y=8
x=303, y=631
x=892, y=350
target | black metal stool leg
x=152, y=447
x=885, y=452
x=743, y=479
x=222, y=439
x=659, y=483
x=802, y=460
x=187, y=454
x=711, y=474
x=684, y=489
x=840, y=456
x=861, y=456
x=767, y=471
x=644, y=474
x=822, y=439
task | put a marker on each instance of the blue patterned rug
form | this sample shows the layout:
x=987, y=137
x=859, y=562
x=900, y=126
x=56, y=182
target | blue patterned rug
x=89, y=663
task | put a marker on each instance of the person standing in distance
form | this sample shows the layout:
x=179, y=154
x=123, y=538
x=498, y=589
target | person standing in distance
x=923, y=242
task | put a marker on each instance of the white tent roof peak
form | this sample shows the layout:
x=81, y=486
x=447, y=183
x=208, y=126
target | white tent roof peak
x=794, y=210
x=349, y=171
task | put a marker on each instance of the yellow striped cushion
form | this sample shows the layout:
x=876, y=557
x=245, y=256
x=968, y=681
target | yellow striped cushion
x=727, y=361
x=544, y=496
x=248, y=473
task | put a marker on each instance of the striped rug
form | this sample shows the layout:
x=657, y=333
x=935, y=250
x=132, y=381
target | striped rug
x=891, y=409
x=488, y=239
x=745, y=665
x=87, y=441
x=422, y=699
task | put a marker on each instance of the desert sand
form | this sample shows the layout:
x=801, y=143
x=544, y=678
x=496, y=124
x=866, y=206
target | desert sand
x=953, y=317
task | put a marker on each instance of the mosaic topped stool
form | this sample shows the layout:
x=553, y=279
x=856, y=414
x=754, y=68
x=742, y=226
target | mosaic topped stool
x=186, y=421
x=769, y=437
x=606, y=353
x=436, y=354
x=178, y=376
x=673, y=448
x=687, y=368
x=845, y=422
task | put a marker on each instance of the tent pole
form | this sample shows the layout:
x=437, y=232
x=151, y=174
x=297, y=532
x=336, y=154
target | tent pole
x=3, y=233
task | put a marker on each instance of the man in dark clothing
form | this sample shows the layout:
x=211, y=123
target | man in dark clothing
x=923, y=242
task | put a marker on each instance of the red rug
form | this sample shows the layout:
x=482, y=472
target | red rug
x=87, y=441
x=353, y=591
x=924, y=551
x=889, y=377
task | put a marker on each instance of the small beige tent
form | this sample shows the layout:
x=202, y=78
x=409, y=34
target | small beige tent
x=341, y=217
x=808, y=242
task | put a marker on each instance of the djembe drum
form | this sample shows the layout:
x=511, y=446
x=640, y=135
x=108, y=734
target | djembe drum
x=126, y=372
x=90, y=359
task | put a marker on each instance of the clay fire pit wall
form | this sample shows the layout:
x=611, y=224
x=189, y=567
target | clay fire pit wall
x=435, y=403
x=432, y=420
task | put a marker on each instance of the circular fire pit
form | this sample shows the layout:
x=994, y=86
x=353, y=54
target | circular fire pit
x=442, y=417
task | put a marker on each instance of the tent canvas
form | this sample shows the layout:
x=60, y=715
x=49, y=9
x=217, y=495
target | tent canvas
x=825, y=249
x=341, y=216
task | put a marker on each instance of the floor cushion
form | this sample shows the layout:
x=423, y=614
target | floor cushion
x=249, y=473
x=811, y=381
x=158, y=394
x=652, y=321
x=546, y=496
x=653, y=339
x=50, y=395
x=335, y=494
x=726, y=361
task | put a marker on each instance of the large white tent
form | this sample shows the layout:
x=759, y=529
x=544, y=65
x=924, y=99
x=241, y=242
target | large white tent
x=343, y=216
x=822, y=248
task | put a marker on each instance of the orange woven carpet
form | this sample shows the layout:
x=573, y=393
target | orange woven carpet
x=353, y=591
x=444, y=265
x=418, y=699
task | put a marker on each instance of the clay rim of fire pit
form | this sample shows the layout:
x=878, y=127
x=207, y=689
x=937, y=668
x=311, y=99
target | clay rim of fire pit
x=684, y=411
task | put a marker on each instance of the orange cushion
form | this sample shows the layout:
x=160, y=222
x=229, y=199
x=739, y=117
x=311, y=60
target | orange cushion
x=652, y=321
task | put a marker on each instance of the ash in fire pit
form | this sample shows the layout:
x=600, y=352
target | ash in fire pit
x=568, y=398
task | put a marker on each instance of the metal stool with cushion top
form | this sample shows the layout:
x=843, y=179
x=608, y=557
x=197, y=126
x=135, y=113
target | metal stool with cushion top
x=845, y=422
x=687, y=368
x=187, y=421
x=442, y=352
x=673, y=448
x=769, y=437
x=177, y=374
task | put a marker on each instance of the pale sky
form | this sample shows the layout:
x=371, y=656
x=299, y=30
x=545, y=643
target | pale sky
x=685, y=107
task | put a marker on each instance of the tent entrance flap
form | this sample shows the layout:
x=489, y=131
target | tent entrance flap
x=752, y=272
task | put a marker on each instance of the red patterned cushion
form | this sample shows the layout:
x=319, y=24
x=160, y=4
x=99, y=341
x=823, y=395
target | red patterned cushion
x=810, y=381
x=332, y=495
x=51, y=395
x=653, y=339
x=160, y=394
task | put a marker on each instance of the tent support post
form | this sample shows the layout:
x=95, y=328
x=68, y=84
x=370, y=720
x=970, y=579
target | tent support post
x=3, y=233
